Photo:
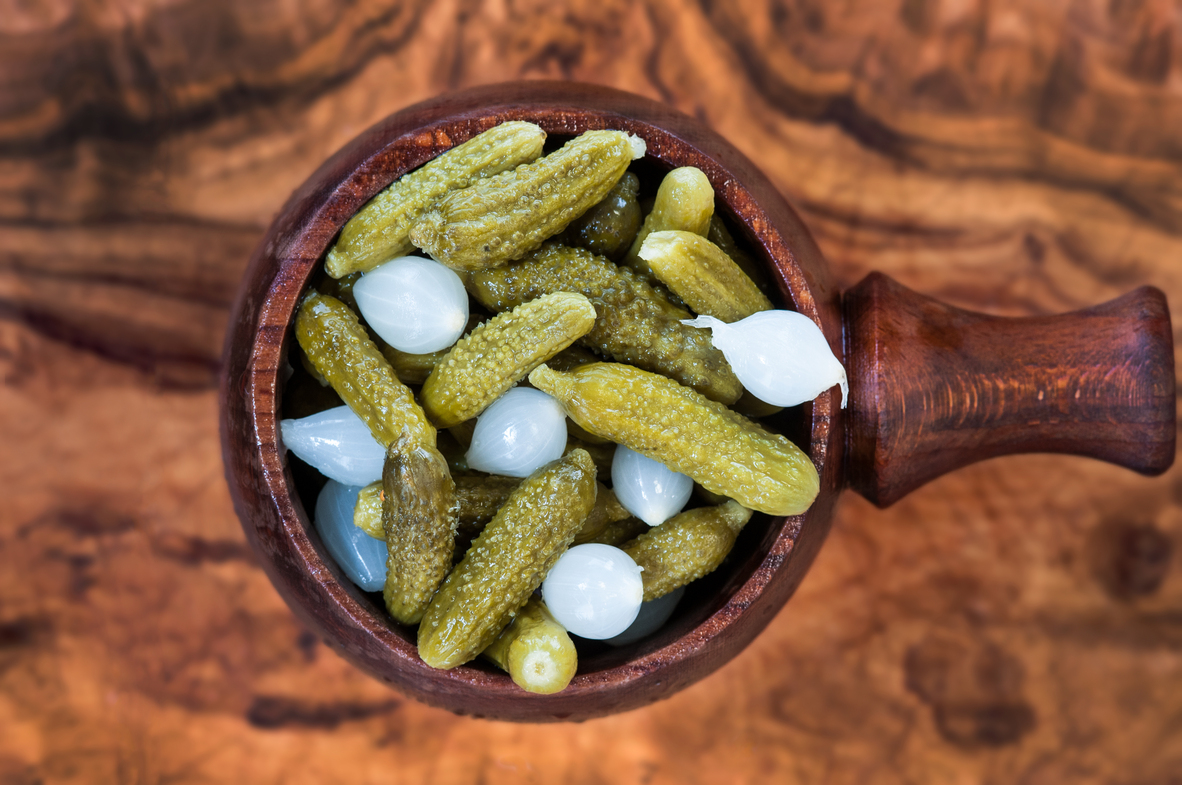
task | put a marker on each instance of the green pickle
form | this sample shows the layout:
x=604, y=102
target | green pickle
x=704, y=277
x=367, y=512
x=670, y=423
x=501, y=352
x=685, y=201
x=341, y=351
x=721, y=236
x=686, y=547
x=501, y=218
x=606, y=512
x=478, y=497
x=508, y=561
x=609, y=227
x=535, y=650
x=417, y=516
x=636, y=324
x=381, y=230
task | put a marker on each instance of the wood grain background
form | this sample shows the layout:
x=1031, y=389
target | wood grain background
x=1019, y=621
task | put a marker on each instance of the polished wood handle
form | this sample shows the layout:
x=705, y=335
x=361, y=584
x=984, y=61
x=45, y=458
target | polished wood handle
x=934, y=388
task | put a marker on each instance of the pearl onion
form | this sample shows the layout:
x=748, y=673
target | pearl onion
x=653, y=615
x=520, y=432
x=337, y=444
x=781, y=357
x=648, y=489
x=361, y=557
x=416, y=305
x=594, y=591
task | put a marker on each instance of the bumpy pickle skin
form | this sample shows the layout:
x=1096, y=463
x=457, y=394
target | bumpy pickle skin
x=704, y=277
x=478, y=497
x=367, y=512
x=420, y=526
x=607, y=511
x=339, y=348
x=415, y=368
x=663, y=420
x=500, y=353
x=686, y=547
x=381, y=229
x=685, y=202
x=535, y=650
x=635, y=325
x=609, y=227
x=508, y=561
x=721, y=236
x=619, y=532
x=501, y=218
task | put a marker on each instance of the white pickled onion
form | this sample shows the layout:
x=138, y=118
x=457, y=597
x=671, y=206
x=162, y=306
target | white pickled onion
x=337, y=444
x=518, y=433
x=648, y=489
x=416, y=305
x=361, y=557
x=594, y=591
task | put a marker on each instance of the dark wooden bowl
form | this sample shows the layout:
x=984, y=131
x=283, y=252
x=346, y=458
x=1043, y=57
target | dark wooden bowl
x=933, y=388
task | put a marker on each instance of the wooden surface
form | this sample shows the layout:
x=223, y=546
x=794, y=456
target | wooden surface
x=1017, y=621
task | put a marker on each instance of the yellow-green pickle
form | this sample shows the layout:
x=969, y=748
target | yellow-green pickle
x=501, y=218
x=636, y=324
x=381, y=229
x=508, y=561
x=670, y=423
x=609, y=227
x=500, y=352
x=686, y=547
x=367, y=511
x=339, y=348
x=536, y=651
x=685, y=201
x=419, y=523
x=704, y=277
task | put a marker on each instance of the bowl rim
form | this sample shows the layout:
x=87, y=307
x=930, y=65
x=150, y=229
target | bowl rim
x=269, y=507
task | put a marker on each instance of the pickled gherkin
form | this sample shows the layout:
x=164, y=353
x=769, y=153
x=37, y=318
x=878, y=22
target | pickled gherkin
x=500, y=352
x=704, y=277
x=607, y=511
x=670, y=423
x=721, y=236
x=617, y=532
x=501, y=218
x=419, y=524
x=478, y=497
x=686, y=547
x=609, y=227
x=380, y=230
x=367, y=512
x=685, y=202
x=415, y=368
x=535, y=650
x=507, y=561
x=636, y=324
x=340, y=349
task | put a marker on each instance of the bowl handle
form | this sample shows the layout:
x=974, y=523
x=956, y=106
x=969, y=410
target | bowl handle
x=934, y=388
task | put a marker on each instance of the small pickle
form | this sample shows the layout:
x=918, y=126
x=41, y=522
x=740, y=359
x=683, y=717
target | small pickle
x=670, y=423
x=602, y=451
x=705, y=278
x=572, y=357
x=508, y=561
x=501, y=352
x=686, y=547
x=478, y=497
x=535, y=650
x=607, y=510
x=340, y=349
x=501, y=218
x=380, y=230
x=721, y=236
x=685, y=201
x=415, y=368
x=367, y=512
x=417, y=516
x=636, y=324
x=618, y=532
x=609, y=227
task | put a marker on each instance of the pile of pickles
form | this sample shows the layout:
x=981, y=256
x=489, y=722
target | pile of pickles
x=577, y=291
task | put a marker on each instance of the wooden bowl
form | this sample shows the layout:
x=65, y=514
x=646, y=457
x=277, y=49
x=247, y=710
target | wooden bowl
x=933, y=388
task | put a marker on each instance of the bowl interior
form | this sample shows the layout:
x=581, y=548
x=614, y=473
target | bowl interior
x=718, y=615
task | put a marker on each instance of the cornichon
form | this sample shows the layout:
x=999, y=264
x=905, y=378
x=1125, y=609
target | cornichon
x=415, y=368
x=498, y=219
x=420, y=527
x=607, y=511
x=636, y=324
x=686, y=547
x=609, y=227
x=380, y=230
x=478, y=497
x=536, y=651
x=340, y=349
x=367, y=512
x=685, y=201
x=704, y=277
x=670, y=423
x=500, y=352
x=508, y=561
x=721, y=236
